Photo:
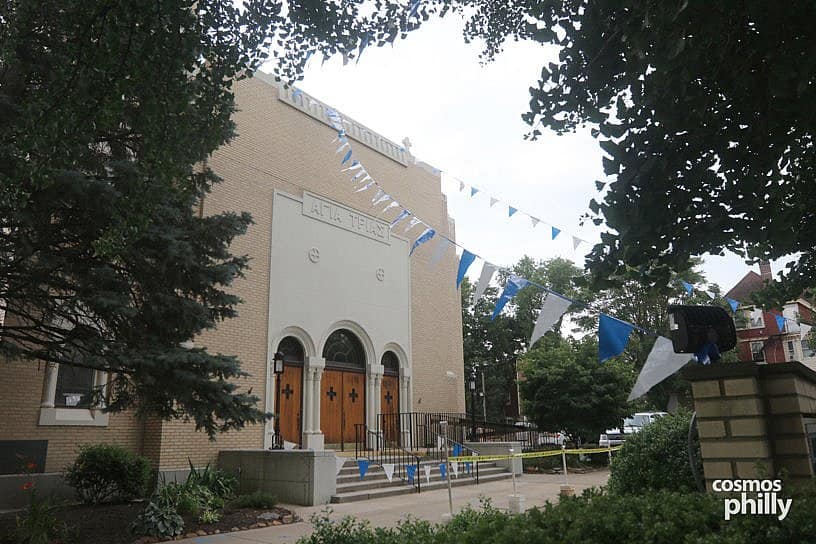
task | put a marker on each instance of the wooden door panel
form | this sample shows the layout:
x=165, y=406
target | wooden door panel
x=291, y=398
x=331, y=406
x=389, y=404
x=353, y=403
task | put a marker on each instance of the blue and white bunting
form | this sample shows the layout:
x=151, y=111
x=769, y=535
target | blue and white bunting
x=410, y=472
x=551, y=311
x=575, y=242
x=688, y=287
x=613, y=335
x=661, y=363
x=427, y=469
x=403, y=214
x=488, y=270
x=513, y=286
x=441, y=248
x=473, y=191
x=424, y=237
x=535, y=221
x=511, y=210
x=366, y=187
x=362, y=466
x=733, y=303
x=411, y=224
x=443, y=470
x=388, y=468
x=493, y=201
x=780, y=322
x=555, y=232
x=347, y=157
x=464, y=263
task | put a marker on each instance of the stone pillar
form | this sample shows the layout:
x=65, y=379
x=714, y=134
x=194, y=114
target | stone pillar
x=751, y=419
x=405, y=404
x=374, y=385
x=313, y=372
x=50, y=385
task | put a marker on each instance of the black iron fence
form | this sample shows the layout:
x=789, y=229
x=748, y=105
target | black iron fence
x=374, y=446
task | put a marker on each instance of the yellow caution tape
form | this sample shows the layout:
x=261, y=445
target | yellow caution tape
x=529, y=455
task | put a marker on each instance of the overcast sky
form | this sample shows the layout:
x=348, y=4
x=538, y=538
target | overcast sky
x=465, y=119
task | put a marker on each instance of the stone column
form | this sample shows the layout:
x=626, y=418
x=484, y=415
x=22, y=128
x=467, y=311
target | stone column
x=50, y=385
x=313, y=372
x=405, y=403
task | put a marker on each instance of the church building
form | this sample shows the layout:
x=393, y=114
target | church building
x=364, y=328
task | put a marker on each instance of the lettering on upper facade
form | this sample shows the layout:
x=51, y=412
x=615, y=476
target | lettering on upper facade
x=317, y=109
x=341, y=216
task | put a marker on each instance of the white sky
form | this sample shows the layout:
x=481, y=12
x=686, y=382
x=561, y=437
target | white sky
x=465, y=119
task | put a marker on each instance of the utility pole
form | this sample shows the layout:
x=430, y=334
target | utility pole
x=484, y=398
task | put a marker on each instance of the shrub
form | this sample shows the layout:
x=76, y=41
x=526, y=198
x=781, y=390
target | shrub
x=209, y=516
x=103, y=472
x=655, y=458
x=258, y=499
x=220, y=483
x=158, y=520
x=187, y=498
x=38, y=523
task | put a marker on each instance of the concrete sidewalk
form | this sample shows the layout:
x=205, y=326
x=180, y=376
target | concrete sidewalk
x=430, y=505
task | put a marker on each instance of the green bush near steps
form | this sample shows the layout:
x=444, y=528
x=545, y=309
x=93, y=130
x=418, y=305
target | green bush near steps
x=258, y=499
x=656, y=458
x=103, y=473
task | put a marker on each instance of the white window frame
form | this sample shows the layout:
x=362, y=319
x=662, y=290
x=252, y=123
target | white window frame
x=761, y=350
x=51, y=415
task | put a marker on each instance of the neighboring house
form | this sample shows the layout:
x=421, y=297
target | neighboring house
x=758, y=336
x=365, y=329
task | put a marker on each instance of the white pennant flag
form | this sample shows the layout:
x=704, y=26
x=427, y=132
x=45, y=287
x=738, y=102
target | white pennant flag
x=366, y=187
x=484, y=280
x=661, y=363
x=455, y=468
x=377, y=195
x=710, y=295
x=338, y=464
x=411, y=224
x=288, y=445
x=535, y=220
x=440, y=442
x=575, y=242
x=440, y=251
x=388, y=468
x=461, y=186
x=493, y=201
x=427, y=469
x=392, y=204
x=551, y=311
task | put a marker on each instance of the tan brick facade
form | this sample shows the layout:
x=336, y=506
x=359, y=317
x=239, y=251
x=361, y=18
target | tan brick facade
x=277, y=148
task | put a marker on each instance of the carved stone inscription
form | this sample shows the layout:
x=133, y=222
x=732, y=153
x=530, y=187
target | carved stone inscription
x=340, y=216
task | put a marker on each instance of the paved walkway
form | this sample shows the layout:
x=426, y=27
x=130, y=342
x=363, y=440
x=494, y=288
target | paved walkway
x=536, y=488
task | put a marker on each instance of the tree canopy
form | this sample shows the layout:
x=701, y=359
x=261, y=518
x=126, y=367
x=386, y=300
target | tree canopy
x=704, y=112
x=108, y=112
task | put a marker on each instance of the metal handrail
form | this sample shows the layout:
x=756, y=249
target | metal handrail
x=384, y=453
x=468, y=448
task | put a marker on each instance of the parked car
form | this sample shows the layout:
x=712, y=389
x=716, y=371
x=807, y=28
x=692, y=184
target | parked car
x=631, y=425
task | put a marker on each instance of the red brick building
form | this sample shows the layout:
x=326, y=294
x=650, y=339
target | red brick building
x=759, y=338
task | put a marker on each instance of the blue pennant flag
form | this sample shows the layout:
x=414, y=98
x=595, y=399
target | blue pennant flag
x=410, y=471
x=457, y=450
x=733, y=303
x=296, y=93
x=687, y=286
x=400, y=217
x=362, y=464
x=511, y=210
x=555, y=232
x=464, y=263
x=780, y=322
x=473, y=191
x=424, y=237
x=443, y=470
x=468, y=467
x=513, y=286
x=613, y=335
x=347, y=157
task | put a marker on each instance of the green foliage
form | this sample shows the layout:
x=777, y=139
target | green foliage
x=188, y=498
x=653, y=517
x=209, y=516
x=656, y=458
x=565, y=388
x=158, y=520
x=220, y=483
x=104, y=472
x=256, y=499
x=37, y=524
x=108, y=113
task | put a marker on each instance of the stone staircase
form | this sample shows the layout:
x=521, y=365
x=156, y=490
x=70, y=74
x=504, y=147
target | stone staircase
x=375, y=485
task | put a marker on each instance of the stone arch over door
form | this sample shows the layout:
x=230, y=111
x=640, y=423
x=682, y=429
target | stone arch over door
x=343, y=391
x=290, y=410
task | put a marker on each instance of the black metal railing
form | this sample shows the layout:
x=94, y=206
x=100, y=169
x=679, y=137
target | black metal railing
x=452, y=446
x=418, y=431
x=372, y=445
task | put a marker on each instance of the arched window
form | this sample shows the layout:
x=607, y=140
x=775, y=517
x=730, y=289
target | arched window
x=391, y=363
x=343, y=348
x=292, y=350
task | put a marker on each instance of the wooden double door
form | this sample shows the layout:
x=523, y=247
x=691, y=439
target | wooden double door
x=342, y=404
x=291, y=402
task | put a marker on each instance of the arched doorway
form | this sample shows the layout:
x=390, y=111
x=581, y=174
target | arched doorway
x=342, y=389
x=389, y=396
x=291, y=389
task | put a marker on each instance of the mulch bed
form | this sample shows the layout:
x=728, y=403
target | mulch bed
x=109, y=523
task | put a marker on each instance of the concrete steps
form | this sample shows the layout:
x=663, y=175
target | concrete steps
x=375, y=485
